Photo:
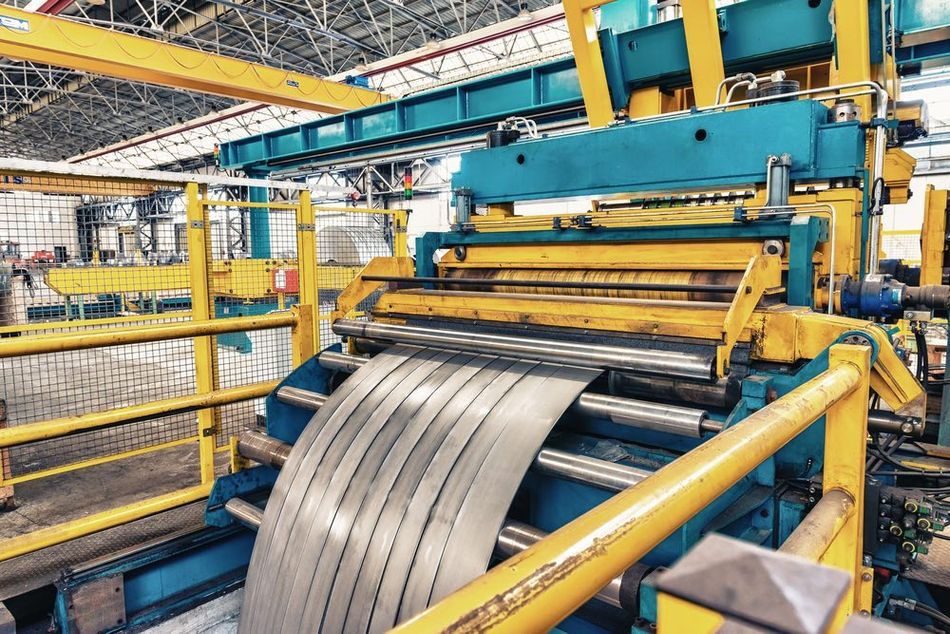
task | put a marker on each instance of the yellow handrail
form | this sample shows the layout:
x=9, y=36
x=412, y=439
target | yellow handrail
x=538, y=588
x=64, y=342
x=57, y=427
x=52, y=535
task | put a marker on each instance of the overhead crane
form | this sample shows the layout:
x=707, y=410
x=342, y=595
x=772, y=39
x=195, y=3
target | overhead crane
x=571, y=420
x=48, y=39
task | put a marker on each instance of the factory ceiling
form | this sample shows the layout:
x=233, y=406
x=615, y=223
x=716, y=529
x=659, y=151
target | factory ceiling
x=53, y=113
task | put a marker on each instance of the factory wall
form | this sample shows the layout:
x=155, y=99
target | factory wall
x=39, y=221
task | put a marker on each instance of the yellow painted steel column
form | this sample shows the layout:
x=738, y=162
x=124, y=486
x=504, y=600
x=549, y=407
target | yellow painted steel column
x=400, y=227
x=852, y=61
x=307, y=260
x=47, y=39
x=198, y=259
x=60, y=533
x=846, y=431
x=302, y=334
x=538, y=588
x=582, y=28
x=933, y=237
x=701, y=24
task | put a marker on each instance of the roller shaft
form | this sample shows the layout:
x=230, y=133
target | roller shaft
x=515, y=537
x=600, y=473
x=683, y=421
x=593, y=471
x=264, y=449
x=301, y=398
x=664, y=285
x=244, y=512
x=891, y=423
x=556, y=284
x=666, y=362
x=341, y=362
x=671, y=419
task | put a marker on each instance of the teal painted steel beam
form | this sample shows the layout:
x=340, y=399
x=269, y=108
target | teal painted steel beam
x=471, y=108
x=757, y=34
x=259, y=223
x=703, y=150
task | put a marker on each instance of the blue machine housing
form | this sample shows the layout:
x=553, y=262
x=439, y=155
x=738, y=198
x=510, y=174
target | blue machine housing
x=782, y=32
x=707, y=149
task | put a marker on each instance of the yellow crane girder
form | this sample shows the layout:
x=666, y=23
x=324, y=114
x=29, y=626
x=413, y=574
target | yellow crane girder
x=46, y=39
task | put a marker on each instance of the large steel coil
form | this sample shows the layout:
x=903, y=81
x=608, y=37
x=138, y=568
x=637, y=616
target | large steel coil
x=394, y=494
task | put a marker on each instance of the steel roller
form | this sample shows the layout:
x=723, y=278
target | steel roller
x=699, y=285
x=669, y=363
x=396, y=490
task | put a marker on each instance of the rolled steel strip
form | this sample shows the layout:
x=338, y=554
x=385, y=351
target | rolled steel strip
x=276, y=523
x=407, y=437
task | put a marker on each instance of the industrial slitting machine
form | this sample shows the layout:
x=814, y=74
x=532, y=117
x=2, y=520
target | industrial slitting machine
x=529, y=367
x=700, y=369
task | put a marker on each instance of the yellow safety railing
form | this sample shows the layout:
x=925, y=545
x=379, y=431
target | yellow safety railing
x=217, y=285
x=536, y=589
x=301, y=322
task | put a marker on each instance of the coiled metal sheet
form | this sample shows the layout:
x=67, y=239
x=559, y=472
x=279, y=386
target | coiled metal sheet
x=394, y=494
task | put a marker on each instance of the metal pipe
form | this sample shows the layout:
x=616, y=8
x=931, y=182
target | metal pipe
x=662, y=362
x=540, y=587
x=824, y=521
x=722, y=394
x=599, y=473
x=264, y=449
x=891, y=423
x=515, y=537
x=671, y=419
x=67, y=425
x=341, y=362
x=43, y=344
x=301, y=398
x=613, y=286
x=244, y=512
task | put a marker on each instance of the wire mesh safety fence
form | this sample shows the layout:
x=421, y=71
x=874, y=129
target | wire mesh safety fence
x=78, y=254
x=87, y=256
x=347, y=239
x=901, y=245
x=253, y=270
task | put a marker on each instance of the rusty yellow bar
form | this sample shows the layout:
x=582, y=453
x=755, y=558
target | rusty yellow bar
x=50, y=536
x=89, y=323
x=57, y=427
x=43, y=344
x=92, y=462
x=814, y=535
x=538, y=588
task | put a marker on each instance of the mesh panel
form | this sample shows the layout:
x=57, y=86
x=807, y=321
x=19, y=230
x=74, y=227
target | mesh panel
x=93, y=254
x=902, y=245
x=347, y=241
x=79, y=255
x=254, y=272
x=82, y=254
